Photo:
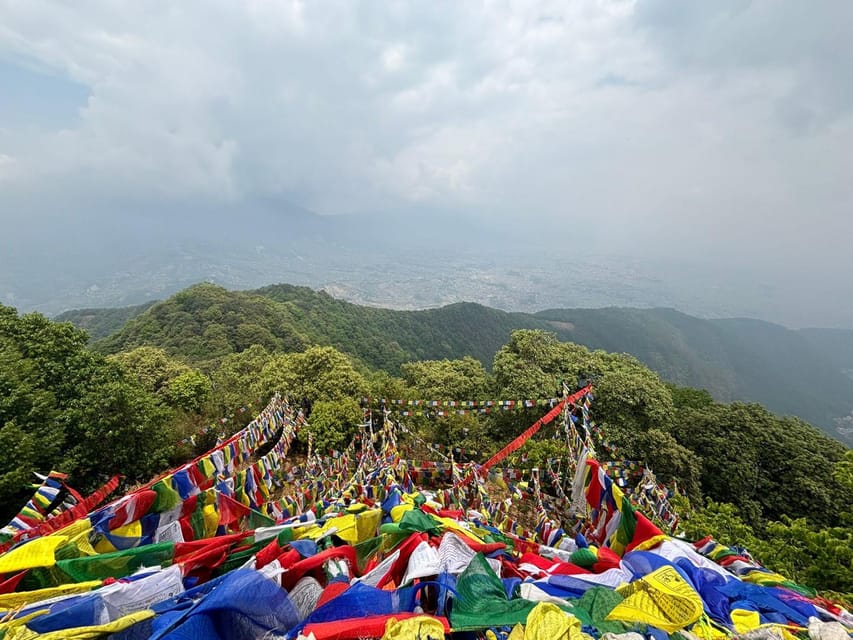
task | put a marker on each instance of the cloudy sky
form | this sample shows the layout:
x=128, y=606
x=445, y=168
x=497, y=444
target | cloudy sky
x=689, y=126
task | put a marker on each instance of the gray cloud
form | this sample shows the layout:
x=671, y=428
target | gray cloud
x=694, y=128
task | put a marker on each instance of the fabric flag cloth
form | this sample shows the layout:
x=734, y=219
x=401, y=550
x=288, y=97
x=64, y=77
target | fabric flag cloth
x=662, y=599
x=29, y=555
x=518, y=442
x=39, y=506
x=619, y=523
x=363, y=553
x=54, y=522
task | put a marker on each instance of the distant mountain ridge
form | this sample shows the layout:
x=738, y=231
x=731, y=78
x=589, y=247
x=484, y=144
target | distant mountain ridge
x=734, y=359
x=99, y=323
x=793, y=372
x=835, y=344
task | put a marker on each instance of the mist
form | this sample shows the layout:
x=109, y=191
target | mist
x=642, y=154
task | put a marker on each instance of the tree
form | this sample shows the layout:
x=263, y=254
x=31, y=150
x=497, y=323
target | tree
x=214, y=341
x=629, y=397
x=687, y=398
x=843, y=472
x=464, y=431
x=534, y=363
x=152, y=367
x=116, y=427
x=235, y=376
x=65, y=408
x=334, y=424
x=190, y=390
x=749, y=455
x=318, y=373
x=670, y=461
x=17, y=463
x=206, y=321
x=383, y=385
x=721, y=521
x=821, y=558
x=447, y=379
x=249, y=334
x=30, y=436
x=795, y=548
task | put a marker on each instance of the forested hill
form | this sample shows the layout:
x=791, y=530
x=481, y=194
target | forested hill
x=206, y=322
x=791, y=372
x=734, y=359
x=99, y=323
x=836, y=345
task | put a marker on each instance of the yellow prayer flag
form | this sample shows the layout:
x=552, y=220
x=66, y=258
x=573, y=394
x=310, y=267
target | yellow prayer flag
x=662, y=599
x=207, y=467
x=398, y=511
x=37, y=553
x=17, y=599
x=547, y=621
x=366, y=524
x=81, y=633
x=129, y=530
x=211, y=520
x=744, y=620
x=413, y=628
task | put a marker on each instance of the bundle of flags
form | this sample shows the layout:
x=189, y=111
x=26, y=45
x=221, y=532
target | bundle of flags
x=366, y=570
x=225, y=547
x=50, y=496
x=539, y=402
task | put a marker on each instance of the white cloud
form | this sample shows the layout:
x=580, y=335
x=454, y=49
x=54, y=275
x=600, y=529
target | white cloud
x=638, y=117
x=394, y=58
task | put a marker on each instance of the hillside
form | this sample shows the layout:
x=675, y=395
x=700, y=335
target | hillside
x=386, y=338
x=206, y=321
x=99, y=323
x=783, y=486
x=836, y=345
x=734, y=359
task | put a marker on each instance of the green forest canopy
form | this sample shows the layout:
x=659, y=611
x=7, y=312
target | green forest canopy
x=778, y=479
x=791, y=372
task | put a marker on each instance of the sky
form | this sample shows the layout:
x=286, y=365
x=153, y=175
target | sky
x=697, y=130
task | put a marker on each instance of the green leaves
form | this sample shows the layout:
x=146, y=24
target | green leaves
x=629, y=397
x=447, y=379
x=333, y=424
x=116, y=427
x=236, y=376
x=318, y=373
x=799, y=550
x=206, y=321
x=65, y=408
x=190, y=390
x=766, y=465
x=152, y=367
x=843, y=471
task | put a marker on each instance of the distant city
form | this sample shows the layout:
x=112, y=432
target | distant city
x=414, y=279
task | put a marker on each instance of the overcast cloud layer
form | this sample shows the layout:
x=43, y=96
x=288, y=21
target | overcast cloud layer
x=706, y=128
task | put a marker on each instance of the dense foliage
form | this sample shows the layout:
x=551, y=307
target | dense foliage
x=791, y=372
x=207, y=321
x=773, y=483
x=63, y=407
x=100, y=323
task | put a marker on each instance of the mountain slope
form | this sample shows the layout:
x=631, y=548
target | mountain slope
x=836, y=345
x=99, y=323
x=386, y=338
x=207, y=321
x=734, y=359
